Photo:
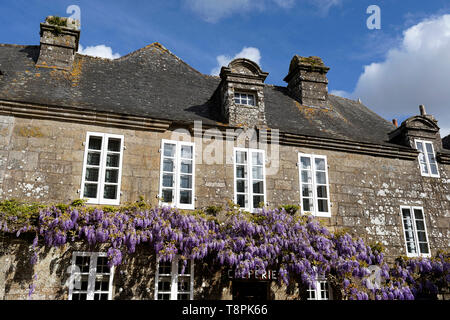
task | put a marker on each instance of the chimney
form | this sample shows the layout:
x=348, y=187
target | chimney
x=422, y=110
x=307, y=81
x=395, y=122
x=59, y=42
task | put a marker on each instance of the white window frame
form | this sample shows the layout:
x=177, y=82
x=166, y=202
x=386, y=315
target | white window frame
x=246, y=99
x=92, y=274
x=427, y=161
x=318, y=290
x=174, y=279
x=249, y=178
x=102, y=169
x=314, y=184
x=416, y=238
x=177, y=173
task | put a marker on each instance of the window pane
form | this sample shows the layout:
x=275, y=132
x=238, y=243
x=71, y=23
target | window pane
x=258, y=201
x=241, y=186
x=186, y=166
x=93, y=159
x=102, y=265
x=418, y=214
x=257, y=173
x=322, y=192
x=183, y=296
x=241, y=157
x=112, y=160
x=420, y=226
x=306, y=176
x=421, y=236
x=164, y=284
x=322, y=205
x=419, y=146
x=102, y=284
x=167, y=180
x=114, y=145
x=429, y=148
x=321, y=178
x=424, y=248
x=251, y=99
x=112, y=176
x=95, y=143
x=100, y=296
x=186, y=152
x=308, y=205
x=90, y=190
x=411, y=247
x=110, y=192
x=165, y=267
x=169, y=150
x=163, y=296
x=241, y=200
x=168, y=165
x=241, y=171
x=187, y=268
x=84, y=284
x=305, y=163
x=83, y=263
x=79, y=296
x=186, y=197
x=433, y=168
x=186, y=182
x=258, y=187
x=307, y=190
x=167, y=195
x=184, y=284
x=320, y=164
x=406, y=213
x=257, y=158
x=91, y=174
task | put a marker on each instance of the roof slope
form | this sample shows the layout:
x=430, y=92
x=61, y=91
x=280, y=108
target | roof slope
x=153, y=82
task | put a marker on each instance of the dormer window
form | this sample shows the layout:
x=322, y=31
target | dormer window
x=247, y=99
x=427, y=159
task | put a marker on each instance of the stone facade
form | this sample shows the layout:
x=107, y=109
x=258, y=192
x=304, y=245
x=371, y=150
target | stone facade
x=42, y=153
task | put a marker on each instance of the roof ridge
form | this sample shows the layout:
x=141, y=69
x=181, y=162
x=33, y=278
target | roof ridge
x=17, y=45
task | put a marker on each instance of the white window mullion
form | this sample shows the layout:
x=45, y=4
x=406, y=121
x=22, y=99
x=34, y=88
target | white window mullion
x=101, y=187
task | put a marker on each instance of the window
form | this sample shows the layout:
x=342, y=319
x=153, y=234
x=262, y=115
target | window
x=249, y=169
x=415, y=232
x=321, y=292
x=174, y=283
x=102, y=169
x=427, y=159
x=177, y=174
x=314, y=188
x=247, y=99
x=91, y=277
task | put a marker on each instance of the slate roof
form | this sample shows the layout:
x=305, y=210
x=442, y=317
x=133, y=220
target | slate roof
x=152, y=82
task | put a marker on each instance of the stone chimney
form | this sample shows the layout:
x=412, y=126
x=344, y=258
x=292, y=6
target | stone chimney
x=307, y=81
x=242, y=93
x=59, y=42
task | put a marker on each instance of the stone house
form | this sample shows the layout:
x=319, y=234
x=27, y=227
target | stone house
x=147, y=124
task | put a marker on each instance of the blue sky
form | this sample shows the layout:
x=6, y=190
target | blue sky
x=206, y=32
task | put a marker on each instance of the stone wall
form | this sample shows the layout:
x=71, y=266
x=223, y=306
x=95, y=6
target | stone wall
x=42, y=160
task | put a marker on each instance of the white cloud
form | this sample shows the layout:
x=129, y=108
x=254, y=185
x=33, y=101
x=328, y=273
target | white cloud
x=101, y=51
x=214, y=10
x=247, y=52
x=416, y=72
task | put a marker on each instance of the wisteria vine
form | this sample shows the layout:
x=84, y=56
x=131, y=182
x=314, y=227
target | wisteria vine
x=299, y=247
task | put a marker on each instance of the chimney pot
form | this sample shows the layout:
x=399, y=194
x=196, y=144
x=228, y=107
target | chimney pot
x=394, y=121
x=422, y=110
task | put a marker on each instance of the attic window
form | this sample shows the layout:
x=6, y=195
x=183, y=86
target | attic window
x=247, y=99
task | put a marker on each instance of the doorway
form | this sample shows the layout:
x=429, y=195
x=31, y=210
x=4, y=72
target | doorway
x=250, y=290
